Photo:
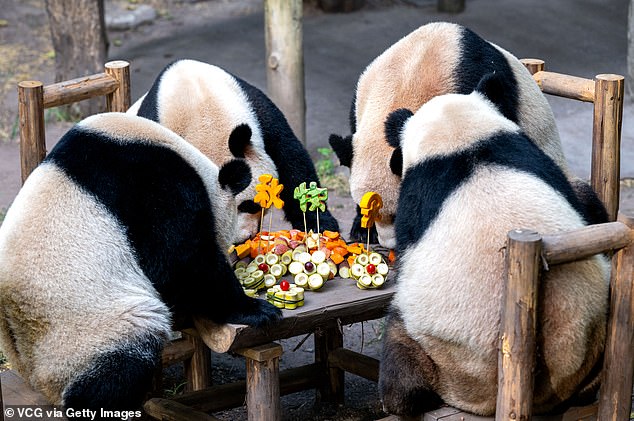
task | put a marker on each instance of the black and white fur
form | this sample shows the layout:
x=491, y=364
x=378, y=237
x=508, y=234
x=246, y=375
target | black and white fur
x=204, y=104
x=469, y=176
x=122, y=226
x=435, y=59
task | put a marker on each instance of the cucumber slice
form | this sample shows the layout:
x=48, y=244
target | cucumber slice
x=318, y=257
x=357, y=270
x=378, y=280
x=269, y=280
x=362, y=259
x=301, y=280
x=315, y=281
x=295, y=267
x=375, y=258
x=324, y=270
x=382, y=269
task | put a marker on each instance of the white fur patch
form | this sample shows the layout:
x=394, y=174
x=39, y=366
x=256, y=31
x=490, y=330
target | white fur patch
x=450, y=123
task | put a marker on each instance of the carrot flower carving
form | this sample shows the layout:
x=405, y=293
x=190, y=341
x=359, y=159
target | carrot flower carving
x=267, y=194
x=371, y=204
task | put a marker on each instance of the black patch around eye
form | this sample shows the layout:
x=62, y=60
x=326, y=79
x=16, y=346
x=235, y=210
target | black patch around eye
x=249, y=206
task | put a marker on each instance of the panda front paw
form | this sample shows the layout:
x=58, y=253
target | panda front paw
x=360, y=234
x=256, y=313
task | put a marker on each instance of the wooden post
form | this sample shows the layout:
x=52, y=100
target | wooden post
x=331, y=388
x=198, y=367
x=516, y=360
x=285, y=61
x=32, y=134
x=119, y=100
x=263, y=382
x=606, y=140
x=615, y=397
x=533, y=65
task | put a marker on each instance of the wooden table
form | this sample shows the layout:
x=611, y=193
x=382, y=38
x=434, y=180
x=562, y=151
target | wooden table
x=338, y=303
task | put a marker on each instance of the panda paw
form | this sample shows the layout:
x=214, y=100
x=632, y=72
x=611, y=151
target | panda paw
x=360, y=234
x=256, y=313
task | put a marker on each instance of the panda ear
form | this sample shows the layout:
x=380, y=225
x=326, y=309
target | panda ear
x=234, y=175
x=239, y=140
x=394, y=124
x=492, y=85
x=396, y=162
x=343, y=148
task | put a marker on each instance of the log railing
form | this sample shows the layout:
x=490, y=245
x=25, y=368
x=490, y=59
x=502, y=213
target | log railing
x=526, y=250
x=34, y=98
x=606, y=93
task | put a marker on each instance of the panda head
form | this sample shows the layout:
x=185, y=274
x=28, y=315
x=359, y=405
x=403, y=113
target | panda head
x=241, y=146
x=219, y=121
x=447, y=124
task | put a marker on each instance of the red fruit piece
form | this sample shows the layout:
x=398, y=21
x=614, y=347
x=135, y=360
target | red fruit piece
x=309, y=266
x=370, y=268
x=284, y=285
x=263, y=267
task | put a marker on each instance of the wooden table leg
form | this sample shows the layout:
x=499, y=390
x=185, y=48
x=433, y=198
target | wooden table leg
x=198, y=367
x=263, y=382
x=332, y=388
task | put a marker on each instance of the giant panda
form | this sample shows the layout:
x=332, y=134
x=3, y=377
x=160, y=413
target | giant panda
x=435, y=59
x=121, y=229
x=204, y=104
x=469, y=176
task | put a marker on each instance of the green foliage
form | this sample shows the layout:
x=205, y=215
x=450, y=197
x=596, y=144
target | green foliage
x=3, y=359
x=175, y=390
x=325, y=168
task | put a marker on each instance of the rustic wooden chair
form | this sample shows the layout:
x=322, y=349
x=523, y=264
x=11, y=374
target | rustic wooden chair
x=528, y=251
x=33, y=99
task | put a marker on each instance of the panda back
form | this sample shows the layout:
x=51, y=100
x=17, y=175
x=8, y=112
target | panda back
x=450, y=280
x=67, y=271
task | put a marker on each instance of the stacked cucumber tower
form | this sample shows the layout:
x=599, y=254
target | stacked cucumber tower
x=369, y=270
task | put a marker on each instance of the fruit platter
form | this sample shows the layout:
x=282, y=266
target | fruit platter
x=286, y=264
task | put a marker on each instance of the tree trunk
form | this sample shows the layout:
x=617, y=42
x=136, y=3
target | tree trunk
x=78, y=32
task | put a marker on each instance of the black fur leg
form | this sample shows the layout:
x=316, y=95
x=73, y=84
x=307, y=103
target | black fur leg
x=406, y=373
x=118, y=379
x=593, y=210
x=360, y=234
x=256, y=313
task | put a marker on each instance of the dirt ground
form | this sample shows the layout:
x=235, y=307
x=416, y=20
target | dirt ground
x=26, y=53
